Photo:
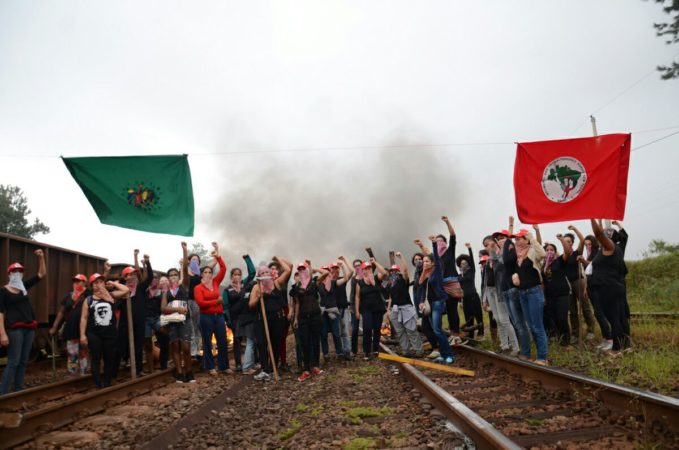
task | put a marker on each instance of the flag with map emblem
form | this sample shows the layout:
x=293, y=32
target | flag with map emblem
x=146, y=193
x=572, y=179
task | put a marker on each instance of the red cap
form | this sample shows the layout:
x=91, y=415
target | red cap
x=325, y=267
x=484, y=258
x=95, y=276
x=366, y=264
x=302, y=265
x=395, y=267
x=128, y=270
x=501, y=233
x=522, y=232
x=15, y=266
x=80, y=277
x=334, y=265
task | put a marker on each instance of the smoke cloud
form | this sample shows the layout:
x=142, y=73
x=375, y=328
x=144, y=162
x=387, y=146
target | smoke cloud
x=320, y=205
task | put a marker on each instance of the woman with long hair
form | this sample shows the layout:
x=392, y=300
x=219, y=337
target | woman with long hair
x=307, y=318
x=402, y=312
x=237, y=303
x=17, y=322
x=371, y=307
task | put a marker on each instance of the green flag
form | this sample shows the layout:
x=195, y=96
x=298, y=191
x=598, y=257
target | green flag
x=147, y=193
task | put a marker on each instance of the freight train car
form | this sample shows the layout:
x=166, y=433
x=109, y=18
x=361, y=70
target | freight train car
x=46, y=296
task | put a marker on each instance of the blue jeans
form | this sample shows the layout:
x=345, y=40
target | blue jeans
x=345, y=330
x=20, y=344
x=332, y=326
x=214, y=324
x=518, y=320
x=249, y=358
x=533, y=305
x=438, y=309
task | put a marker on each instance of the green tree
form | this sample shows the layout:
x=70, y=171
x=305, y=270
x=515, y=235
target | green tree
x=670, y=30
x=659, y=247
x=14, y=214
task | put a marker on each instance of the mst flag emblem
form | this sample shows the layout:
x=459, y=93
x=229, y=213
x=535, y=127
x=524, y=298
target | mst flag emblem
x=563, y=179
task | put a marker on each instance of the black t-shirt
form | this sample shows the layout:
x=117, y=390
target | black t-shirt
x=528, y=276
x=556, y=280
x=341, y=295
x=236, y=300
x=328, y=297
x=17, y=307
x=101, y=318
x=274, y=301
x=72, y=310
x=467, y=282
x=572, y=269
x=509, y=262
x=448, y=259
x=178, y=300
x=399, y=294
x=371, y=299
x=608, y=269
x=153, y=304
x=488, y=275
x=307, y=299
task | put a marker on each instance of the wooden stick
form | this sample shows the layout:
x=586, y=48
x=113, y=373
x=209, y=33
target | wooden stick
x=130, y=337
x=266, y=330
x=427, y=364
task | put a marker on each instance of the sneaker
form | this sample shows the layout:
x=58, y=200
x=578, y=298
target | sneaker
x=449, y=360
x=439, y=360
x=481, y=337
x=284, y=368
x=418, y=355
x=541, y=362
x=228, y=371
x=262, y=376
x=305, y=376
x=602, y=344
x=316, y=371
x=433, y=355
x=212, y=372
x=589, y=336
x=189, y=378
x=239, y=368
x=608, y=346
x=179, y=378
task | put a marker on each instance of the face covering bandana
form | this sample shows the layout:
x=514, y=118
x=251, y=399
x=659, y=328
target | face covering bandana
x=441, y=247
x=194, y=267
x=16, y=281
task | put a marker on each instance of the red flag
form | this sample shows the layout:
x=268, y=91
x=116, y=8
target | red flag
x=572, y=179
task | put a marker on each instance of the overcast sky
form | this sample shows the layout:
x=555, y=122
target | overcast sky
x=364, y=93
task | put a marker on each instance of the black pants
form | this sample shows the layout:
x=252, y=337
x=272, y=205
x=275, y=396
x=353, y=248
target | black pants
x=138, y=328
x=372, y=324
x=429, y=332
x=309, y=331
x=354, y=332
x=556, y=317
x=164, y=344
x=99, y=346
x=275, y=322
x=453, y=315
x=472, y=312
x=237, y=342
x=599, y=312
x=612, y=298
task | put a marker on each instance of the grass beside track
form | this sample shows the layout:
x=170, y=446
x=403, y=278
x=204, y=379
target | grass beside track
x=653, y=364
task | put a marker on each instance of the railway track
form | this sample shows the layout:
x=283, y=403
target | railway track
x=76, y=400
x=514, y=404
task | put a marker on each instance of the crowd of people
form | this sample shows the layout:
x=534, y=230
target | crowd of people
x=533, y=292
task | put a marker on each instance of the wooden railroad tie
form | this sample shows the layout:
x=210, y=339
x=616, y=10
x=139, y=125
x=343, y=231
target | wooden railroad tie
x=427, y=364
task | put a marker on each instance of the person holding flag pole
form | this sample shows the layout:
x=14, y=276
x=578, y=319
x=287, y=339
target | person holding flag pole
x=268, y=294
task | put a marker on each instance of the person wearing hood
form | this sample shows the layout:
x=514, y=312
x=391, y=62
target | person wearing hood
x=69, y=314
x=98, y=326
x=269, y=290
x=17, y=322
x=471, y=301
x=211, y=304
x=527, y=278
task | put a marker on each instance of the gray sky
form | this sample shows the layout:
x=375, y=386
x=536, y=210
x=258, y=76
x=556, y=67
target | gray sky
x=361, y=81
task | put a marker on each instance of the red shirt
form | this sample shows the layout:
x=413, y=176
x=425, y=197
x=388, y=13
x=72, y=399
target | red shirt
x=206, y=298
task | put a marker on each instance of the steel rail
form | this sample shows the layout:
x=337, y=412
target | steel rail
x=484, y=435
x=653, y=407
x=53, y=417
x=49, y=391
